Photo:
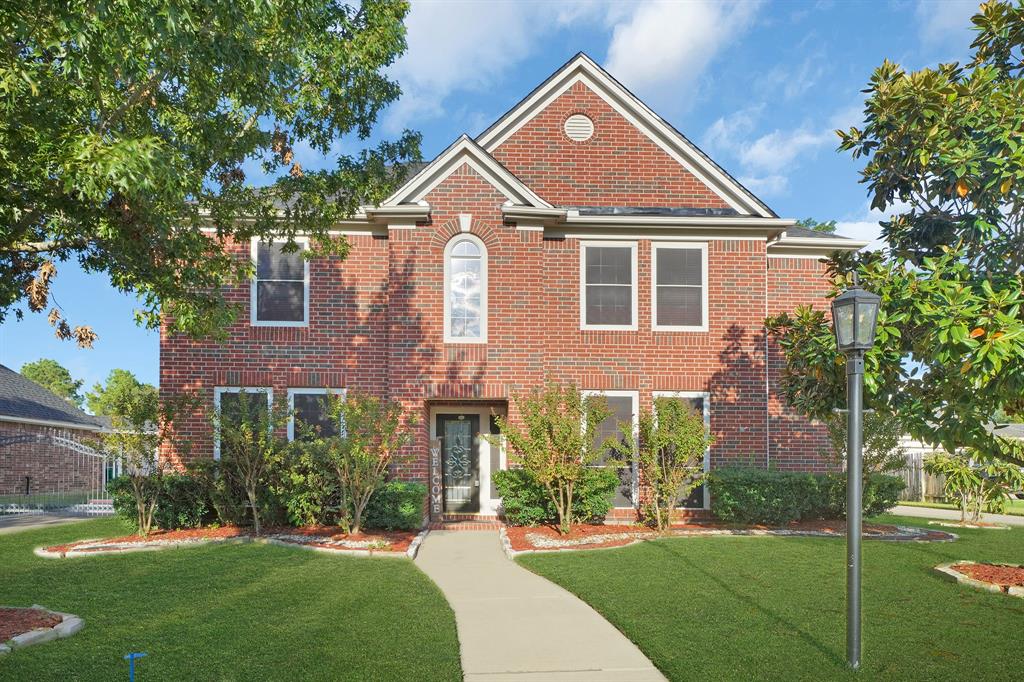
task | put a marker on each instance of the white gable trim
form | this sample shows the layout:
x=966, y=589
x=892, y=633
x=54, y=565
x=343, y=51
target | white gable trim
x=465, y=151
x=582, y=69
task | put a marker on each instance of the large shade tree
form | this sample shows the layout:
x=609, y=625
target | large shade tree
x=55, y=377
x=944, y=152
x=129, y=130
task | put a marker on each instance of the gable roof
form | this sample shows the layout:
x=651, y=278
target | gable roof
x=23, y=400
x=582, y=68
x=465, y=151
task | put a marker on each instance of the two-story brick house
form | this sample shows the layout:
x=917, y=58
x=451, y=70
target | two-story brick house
x=581, y=239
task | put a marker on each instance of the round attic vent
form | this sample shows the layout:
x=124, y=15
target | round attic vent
x=579, y=127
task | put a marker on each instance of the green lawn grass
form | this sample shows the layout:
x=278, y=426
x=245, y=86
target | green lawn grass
x=1015, y=507
x=742, y=608
x=238, y=612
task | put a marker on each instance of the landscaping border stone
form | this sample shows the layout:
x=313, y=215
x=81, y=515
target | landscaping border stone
x=903, y=534
x=69, y=625
x=949, y=573
x=99, y=547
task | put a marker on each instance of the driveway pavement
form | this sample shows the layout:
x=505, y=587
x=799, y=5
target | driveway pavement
x=515, y=625
x=14, y=523
x=954, y=515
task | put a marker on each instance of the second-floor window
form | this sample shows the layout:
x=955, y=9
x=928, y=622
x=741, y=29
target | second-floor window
x=608, y=283
x=280, y=290
x=679, y=289
x=465, y=283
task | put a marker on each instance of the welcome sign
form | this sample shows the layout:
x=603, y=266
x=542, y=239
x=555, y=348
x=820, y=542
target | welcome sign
x=436, y=486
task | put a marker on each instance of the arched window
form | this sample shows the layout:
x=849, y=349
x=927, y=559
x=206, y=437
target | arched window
x=465, y=290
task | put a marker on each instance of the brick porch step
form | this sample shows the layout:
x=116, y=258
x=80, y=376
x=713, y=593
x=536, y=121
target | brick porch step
x=466, y=522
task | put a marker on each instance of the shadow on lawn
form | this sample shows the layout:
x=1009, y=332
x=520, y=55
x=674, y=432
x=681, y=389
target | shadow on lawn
x=669, y=548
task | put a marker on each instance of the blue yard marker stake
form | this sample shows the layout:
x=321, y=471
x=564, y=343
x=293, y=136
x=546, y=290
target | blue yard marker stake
x=131, y=665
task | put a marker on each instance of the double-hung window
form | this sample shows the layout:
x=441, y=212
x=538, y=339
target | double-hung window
x=279, y=295
x=700, y=403
x=310, y=413
x=608, y=283
x=679, y=289
x=623, y=406
x=233, y=405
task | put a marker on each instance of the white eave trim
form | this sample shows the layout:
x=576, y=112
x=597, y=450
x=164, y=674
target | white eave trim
x=406, y=212
x=751, y=222
x=583, y=69
x=464, y=151
x=51, y=423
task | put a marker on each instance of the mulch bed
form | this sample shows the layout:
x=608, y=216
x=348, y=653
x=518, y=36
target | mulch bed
x=14, y=621
x=325, y=537
x=997, y=574
x=587, y=536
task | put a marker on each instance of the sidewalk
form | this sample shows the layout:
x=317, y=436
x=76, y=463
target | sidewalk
x=515, y=625
x=954, y=515
x=14, y=523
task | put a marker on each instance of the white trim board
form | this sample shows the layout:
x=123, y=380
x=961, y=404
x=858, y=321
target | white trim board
x=582, y=69
x=706, y=396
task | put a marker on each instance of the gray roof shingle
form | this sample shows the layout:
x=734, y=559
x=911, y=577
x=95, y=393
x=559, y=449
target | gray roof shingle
x=22, y=398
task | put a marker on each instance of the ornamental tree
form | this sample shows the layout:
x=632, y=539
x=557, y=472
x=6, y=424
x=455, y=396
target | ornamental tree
x=669, y=448
x=556, y=441
x=121, y=386
x=128, y=131
x=943, y=150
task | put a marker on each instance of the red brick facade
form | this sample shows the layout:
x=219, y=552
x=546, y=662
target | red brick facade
x=376, y=319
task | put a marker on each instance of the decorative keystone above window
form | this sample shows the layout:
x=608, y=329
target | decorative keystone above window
x=579, y=128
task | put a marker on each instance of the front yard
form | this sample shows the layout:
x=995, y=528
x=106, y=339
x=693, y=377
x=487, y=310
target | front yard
x=240, y=612
x=740, y=608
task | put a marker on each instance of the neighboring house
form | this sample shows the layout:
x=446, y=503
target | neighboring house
x=580, y=238
x=44, y=442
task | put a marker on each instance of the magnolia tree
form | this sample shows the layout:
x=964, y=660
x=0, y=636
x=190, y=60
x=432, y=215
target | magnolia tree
x=975, y=484
x=247, y=427
x=943, y=151
x=140, y=424
x=373, y=433
x=882, y=452
x=669, y=448
x=556, y=441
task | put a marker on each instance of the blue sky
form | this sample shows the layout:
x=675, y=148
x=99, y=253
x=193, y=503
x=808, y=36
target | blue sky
x=760, y=86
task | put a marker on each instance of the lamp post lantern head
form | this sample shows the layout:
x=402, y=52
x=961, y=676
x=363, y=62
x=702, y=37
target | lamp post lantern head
x=854, y=314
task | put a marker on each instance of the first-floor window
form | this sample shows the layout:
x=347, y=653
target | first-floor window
x=609, y=283
x=310, y=413
x=623, y=408
x=699, y=403
x=234, y=405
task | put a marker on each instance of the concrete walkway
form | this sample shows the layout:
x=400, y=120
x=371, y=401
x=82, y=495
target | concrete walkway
x=515, y=625
x=14, y=523
x=954, y=515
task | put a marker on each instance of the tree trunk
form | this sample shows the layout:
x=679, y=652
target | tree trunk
x=251, y=493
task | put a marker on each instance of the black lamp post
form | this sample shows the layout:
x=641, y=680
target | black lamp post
x=854, y=313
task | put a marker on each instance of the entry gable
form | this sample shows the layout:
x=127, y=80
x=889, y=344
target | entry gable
x=641, y=160
x=465, y=151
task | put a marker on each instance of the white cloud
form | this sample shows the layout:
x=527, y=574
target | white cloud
x=946, y=22
x=865, y=225
x=779, y=149
x=791, y=83
x=766, y=185
x=670, y=43
x=469, y=46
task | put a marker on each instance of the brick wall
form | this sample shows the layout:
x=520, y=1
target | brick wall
x=50, y=467
x=617, y=166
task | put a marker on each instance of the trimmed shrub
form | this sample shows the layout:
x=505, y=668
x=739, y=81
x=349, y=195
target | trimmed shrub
x=746, y=496
x=526, y=503
x=181, y=503
x=398, y=505
x=750, y=496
